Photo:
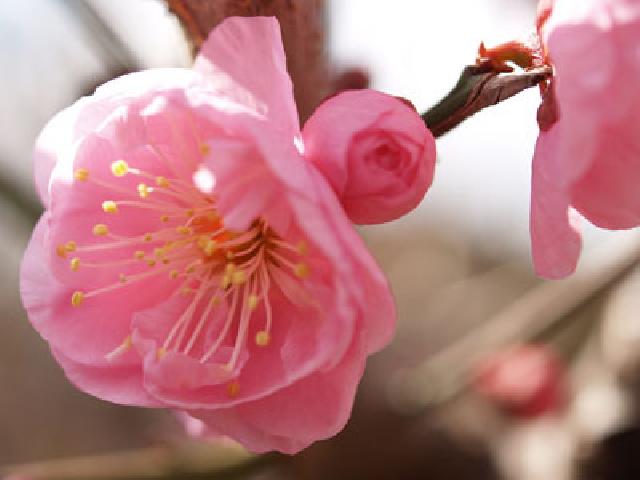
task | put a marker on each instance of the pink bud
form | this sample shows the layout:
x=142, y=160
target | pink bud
x=375, y=151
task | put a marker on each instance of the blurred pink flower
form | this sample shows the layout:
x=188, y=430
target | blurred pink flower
x=589, y=159
x=525, y=380
x=191, y=258
x=374, y=150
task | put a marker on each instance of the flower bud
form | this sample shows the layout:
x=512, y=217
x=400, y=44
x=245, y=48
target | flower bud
x=375, y=152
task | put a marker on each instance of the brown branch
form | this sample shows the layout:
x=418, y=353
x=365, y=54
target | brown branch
x=189, y=461
x=479, y=87
x=303, y=29
x=543, y=309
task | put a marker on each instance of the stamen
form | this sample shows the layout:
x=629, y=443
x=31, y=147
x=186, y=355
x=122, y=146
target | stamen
x=225, y=329
x=144, y=190
x=162, y=182
x=119, y=168
x=301, y=270
x=205, y=149
x=109, y=206
x=77, y=298
x=74, y=264
x=81, y=175
x=263, y=338
x=100, y=230
x=233, y=389
x=252, y=302
x=124, y=347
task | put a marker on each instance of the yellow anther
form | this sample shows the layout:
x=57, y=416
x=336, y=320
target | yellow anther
x=230, y=255
x=239, y=277
x=81, y=175
x=164, y=218
x=147, y=237
x=162, y=182
x=302, y=248
x=190, y=213
x=151, y=262
x=161, y=352
x=230, y=268
x=210, y=247
x=173, y=274
x=166, y=261
x=159, y=252
x=139, y=254
x=252, y=301
x=109, y=206
x=202, y=241
x=61, y=251
x=215, y=300
x=263, y=338
x=100, y=229
x=301, y=270
x=184, y=230
x=77, y=298
x=190, y=269
x=205, y=149
x=233, y=389
x=123, y=278
x=74, y=264
x=119, y=168
x=70, y=246
x=225, y=281
x=143, y=190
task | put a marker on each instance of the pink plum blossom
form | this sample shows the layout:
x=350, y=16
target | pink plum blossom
x=587, y=158
x=374, y=150
x=191, y=258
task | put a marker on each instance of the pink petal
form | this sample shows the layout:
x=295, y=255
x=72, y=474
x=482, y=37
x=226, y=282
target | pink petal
x=260, y=79
x=555, y=240
x=115, y=383
x=85, y=334
x=314, y=408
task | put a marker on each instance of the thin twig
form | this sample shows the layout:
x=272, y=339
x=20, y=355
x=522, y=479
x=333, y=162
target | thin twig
x=190, y=461
x=478, y=87
x=541, y=310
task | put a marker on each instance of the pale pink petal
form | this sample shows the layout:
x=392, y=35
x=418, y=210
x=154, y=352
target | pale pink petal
x=314, y=408
x=115, y=383
x=260, y=79
x=555, y=240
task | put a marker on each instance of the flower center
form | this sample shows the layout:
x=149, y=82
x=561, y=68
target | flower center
x=210, y=263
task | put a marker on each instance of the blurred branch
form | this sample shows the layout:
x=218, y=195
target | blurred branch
x=114, y=51
x=544, y=310
x=24, y=202
x=190, y=461
x=302, y=24
x=479, y=87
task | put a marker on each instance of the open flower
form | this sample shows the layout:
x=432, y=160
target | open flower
x=191, y=258
x=588, y=155
x=374, y=150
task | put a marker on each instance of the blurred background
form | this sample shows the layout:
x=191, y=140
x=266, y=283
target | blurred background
x=493, y=374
